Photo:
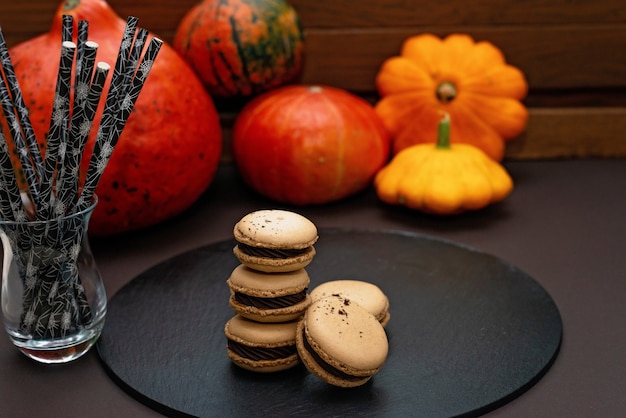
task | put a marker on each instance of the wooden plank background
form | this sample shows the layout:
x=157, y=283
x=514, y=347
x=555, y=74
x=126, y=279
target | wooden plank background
x=573, y=53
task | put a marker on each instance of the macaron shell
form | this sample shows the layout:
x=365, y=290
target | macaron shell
x=255, y=283
x=255, y=334
x=253, y=313
x=366, y=294
x=275, y=265
x=275, y=228
x=312, y=365
x=264, y=366
x=345, y=336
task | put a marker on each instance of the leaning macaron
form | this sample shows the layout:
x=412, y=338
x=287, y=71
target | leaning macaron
x=366, y=294
x=275, y=240
x=261, y=347
x=269, y=297
x=341, y=342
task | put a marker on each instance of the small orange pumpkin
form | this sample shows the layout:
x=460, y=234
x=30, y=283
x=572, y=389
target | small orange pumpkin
x=309, y=145
x=468, y=80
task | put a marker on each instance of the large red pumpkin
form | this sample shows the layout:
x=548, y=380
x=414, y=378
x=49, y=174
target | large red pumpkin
x=242, y=47
x=309, y=144
x=170, y=147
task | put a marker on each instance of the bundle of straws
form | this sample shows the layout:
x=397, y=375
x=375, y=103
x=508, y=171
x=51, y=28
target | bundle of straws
x=54, y=303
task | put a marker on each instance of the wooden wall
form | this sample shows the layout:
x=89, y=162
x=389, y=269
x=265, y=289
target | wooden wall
x=573, y=53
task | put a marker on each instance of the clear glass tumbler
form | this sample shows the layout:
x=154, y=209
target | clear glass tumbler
x=53, y=297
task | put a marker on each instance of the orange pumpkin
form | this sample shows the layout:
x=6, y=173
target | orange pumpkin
x=170, y=148
x=468, y=80
x=309, y=144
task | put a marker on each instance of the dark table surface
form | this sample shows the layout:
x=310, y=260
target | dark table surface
x=564, y=225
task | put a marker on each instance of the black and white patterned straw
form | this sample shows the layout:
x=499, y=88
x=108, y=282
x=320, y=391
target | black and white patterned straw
x=16, y=132
x=22, y=110
x=81, y=40
x=131, y=65
x=11, y=207
x=57, y=133
x=100, y=160
x=111, y=104
x=79, y=133
x=80, y=126
x=83, y=75
x=67, y=28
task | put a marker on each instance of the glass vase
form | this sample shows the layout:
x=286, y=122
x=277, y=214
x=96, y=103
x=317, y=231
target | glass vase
x=53, y=297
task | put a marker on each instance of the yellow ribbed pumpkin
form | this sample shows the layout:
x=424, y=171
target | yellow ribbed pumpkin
x=442, y=178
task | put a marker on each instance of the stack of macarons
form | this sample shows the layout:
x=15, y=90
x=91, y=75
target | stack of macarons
x=337, y=330
x=269, y=289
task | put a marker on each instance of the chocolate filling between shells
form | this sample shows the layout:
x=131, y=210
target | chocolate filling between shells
x=261, y=353
x=271, y=303
x=271, y=252
x=325, y=366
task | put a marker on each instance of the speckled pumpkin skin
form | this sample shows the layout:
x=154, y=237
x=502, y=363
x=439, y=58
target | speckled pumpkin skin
x=169, y=150
x=242, y=47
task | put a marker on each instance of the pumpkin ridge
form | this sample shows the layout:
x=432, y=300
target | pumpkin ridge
x=505, y=115
x=397, y=114
x=339, y=168
x=290, y=115
x=400, y=74
x=500, y=81
x=478, y=189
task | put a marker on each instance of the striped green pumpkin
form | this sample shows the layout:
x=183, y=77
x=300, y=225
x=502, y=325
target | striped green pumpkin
x=240, y=48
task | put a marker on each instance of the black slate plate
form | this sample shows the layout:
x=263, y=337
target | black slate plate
x=468, y=333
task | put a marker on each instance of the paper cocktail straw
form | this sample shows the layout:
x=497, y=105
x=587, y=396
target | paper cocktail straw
x=58, y=130
x=83, y=112
x=83, y=125
x=81, y=40
x=67, y=28
x=99, y=161
x=131, y=65
x=16, y=133
x=84, y=74
x=112, y=98
x=11, y=203
x=22, y=110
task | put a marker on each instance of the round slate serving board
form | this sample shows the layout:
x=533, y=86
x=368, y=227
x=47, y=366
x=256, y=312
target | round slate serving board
x=468, y=333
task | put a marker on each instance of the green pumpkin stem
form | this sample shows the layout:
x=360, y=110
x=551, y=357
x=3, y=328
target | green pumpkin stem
x=70, y=5
x=443, y=132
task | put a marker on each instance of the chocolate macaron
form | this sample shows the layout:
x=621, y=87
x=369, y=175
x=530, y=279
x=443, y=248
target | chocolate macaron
x=341, y=342
x=366, y=294
x=275, y=240
x=261, y=347
x=266, y=297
